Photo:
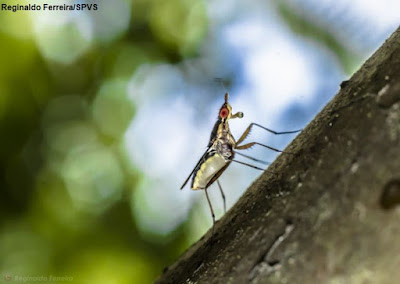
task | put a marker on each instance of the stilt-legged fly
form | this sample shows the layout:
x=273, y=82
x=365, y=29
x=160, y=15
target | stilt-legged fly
x=221, y=151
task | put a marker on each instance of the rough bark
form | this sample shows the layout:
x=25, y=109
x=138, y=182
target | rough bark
x=331, y=213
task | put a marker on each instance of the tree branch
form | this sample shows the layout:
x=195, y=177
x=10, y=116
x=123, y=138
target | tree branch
x=327, y=215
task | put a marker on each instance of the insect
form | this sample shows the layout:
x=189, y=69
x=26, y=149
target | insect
x=221, y=151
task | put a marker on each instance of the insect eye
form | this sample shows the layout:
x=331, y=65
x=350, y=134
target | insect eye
x=223, y=113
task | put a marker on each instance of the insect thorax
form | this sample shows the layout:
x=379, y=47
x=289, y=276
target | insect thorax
x=219, y=155
x=224, y=148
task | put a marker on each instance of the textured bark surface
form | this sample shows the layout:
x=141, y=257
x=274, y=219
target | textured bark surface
x=332, y=214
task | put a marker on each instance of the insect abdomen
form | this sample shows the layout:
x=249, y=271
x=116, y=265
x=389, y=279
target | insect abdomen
x=207, y=170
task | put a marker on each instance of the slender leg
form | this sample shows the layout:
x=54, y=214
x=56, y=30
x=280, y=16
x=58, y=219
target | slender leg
x=254, y=167
x=245, y=134
x=246, y=164
x=254, y=159
x=249, y=145
x=222, y=194
x=211, y=209
x=248, y=129
x=276, y=132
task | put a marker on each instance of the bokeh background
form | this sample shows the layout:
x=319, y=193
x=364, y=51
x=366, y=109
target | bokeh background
x=103, y=115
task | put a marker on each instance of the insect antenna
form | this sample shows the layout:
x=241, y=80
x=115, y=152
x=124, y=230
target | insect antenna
x=224, y=83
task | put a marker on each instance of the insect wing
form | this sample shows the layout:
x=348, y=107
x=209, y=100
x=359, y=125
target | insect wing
x=194, y=169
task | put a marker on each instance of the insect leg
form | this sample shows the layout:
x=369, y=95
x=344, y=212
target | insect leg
x=276, y=132
x=248, y=129
x=254, y=167
x=246, y=164
x=248, y=145
x=212, y=210
x=222, y=194
x=254, y=159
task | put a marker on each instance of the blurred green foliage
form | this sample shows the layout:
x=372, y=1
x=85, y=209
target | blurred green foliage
x=65, y=181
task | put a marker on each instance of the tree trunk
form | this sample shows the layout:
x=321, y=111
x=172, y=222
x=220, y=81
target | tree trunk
x=331, y=214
